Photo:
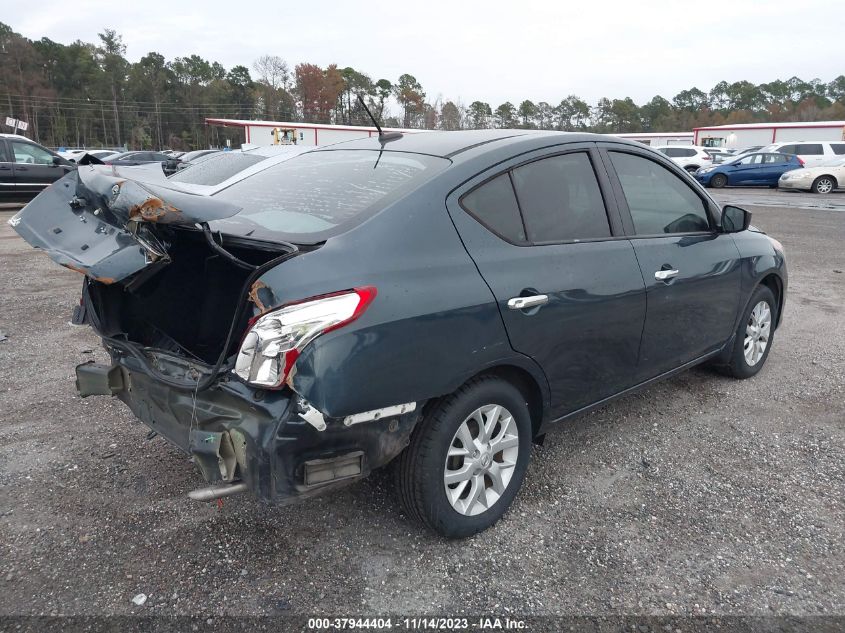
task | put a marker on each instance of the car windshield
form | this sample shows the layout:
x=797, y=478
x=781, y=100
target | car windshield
x=318, y=194
x=215, y=168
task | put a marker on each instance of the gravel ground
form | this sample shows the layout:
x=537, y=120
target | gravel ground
x=700, y=495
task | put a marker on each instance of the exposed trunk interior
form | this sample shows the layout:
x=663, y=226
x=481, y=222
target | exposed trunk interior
x=186, y=306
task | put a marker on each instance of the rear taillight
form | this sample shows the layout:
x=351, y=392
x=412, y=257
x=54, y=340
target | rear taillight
x=275, y=339
x=708, y=157
x=800, y=160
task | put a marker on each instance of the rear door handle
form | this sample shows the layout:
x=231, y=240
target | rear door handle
x=665, y=275
x=523, y=303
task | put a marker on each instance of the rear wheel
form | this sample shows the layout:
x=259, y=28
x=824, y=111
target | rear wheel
x=754, y=336
x=718, y=181
x=824, y=184
x=467, y=458
x=692, y=168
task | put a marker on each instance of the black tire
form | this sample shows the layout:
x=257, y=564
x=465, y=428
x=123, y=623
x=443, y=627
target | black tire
x=420, y=468
x=718, y=181
x=824, y=184
x=692, y=168
x=739, y=367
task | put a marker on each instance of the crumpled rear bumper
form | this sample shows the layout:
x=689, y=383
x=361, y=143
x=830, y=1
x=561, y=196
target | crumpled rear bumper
x=237, y=433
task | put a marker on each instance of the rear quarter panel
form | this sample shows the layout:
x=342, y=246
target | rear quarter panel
x=433, y=324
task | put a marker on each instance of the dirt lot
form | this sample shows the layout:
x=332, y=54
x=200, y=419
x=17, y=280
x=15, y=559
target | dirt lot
x=700, y=495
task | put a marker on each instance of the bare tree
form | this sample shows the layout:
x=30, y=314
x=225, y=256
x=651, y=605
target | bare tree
x=273, y=71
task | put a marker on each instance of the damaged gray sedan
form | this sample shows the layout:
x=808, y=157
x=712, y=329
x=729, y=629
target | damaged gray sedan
x=440, y=300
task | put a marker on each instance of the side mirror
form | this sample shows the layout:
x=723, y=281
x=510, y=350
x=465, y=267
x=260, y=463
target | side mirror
x=57, y=160
x=735, y=219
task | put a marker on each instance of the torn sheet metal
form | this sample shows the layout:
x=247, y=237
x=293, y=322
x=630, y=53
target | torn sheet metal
x=97, y=222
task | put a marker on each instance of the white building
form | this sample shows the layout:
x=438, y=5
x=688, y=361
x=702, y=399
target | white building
x=286, y=133
x=659, y=138
x=744, y=135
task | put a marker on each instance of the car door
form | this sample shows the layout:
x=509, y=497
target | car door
x=745, y=171
x=34, y=167
x=7, y=173
x=812, y=154
x=691, y=270
x=774, y=166
x=548, y=241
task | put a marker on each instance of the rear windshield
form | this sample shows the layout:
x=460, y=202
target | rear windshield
x=214, y=169
x=318, y=194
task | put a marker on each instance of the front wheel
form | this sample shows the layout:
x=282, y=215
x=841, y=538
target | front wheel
x=467, y=458
x=824, y=184
x=754, y=336
x=718, y=181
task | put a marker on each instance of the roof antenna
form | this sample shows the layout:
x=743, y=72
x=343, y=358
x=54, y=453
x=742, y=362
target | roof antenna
x=383, y=137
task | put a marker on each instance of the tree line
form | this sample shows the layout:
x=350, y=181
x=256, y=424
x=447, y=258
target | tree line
x=88, y=95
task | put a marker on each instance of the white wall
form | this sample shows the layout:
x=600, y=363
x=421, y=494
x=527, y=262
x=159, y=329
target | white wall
x=327, y=137
x=809, y=134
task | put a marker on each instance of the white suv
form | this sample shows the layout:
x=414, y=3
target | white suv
x=690, y=157
x=811, y=152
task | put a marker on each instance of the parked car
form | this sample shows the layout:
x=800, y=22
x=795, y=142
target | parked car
x=437, y=300
x=812, y=153
x=168, y=164
x=824, y=178
x=760, y=169
x=26, y=168
x=190, y=157
x=748, y=150
x=213, y=172
x=690, y=157
x=719, y=155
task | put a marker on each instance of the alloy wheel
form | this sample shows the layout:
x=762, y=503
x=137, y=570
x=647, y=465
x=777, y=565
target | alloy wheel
x=757, y=332
x=481, y=459
x=824, y=185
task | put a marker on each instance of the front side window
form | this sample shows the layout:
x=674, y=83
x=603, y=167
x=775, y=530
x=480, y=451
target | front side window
x=560, y=199
x=788, y=149
x=494, y=205
x=754, y=159
x=31, y=154
x=659, y=201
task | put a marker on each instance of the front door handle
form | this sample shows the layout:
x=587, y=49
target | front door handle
x=665, y=275
x=523, y=303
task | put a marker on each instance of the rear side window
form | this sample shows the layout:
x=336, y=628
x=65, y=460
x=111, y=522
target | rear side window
x=494, y=205
x=318, y=194
x=216, y=168
x=679, y=152
x=560, y=199
x=810, y=149
x=659, y=201
x=838, y=148
x=4, y=158
x=775, y=158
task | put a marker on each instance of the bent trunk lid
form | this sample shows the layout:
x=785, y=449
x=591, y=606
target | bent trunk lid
x=98, y=222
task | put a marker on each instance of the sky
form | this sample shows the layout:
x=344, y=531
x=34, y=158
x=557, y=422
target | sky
x=493, y=51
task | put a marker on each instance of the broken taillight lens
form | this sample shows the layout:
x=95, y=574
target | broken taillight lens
x=276, y=338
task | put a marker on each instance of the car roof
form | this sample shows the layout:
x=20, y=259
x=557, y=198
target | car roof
x=449, y=144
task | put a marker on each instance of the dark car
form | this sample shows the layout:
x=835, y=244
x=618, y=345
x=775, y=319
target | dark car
x=26, y=168
x=127, y=159
x=749, y=170
x=438, y=301
x=192, y=156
